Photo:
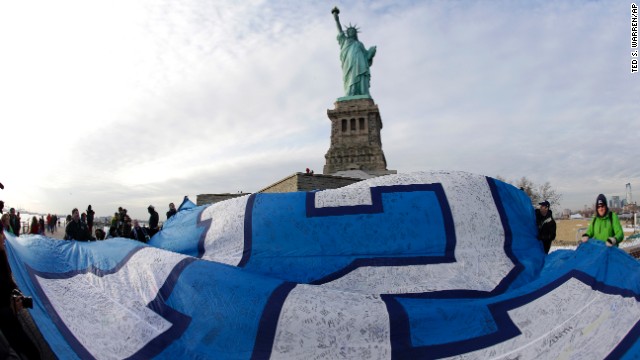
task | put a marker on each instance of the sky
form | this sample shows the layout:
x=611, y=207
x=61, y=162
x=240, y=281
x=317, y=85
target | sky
x=131, y=103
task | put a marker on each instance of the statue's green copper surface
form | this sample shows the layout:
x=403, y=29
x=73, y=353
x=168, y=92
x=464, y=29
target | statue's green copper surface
x=356, y=61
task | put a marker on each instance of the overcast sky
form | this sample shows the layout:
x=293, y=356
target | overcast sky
x=130, y=103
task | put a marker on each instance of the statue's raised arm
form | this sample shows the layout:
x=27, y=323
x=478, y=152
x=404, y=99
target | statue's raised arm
x=355, y=60
x=335, y=11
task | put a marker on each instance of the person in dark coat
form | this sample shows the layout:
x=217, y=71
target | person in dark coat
x=41, y=227
x=154, y=218
x=90, y=215
x=35, y=227
x=138, y=232
x=546, y=225
x=14, y=221
x=172, y=210
x=100, y=234
x=126, y=227
x=10, y=305
x=76, y=229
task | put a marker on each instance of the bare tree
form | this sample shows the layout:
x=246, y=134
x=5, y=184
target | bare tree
x=528, y=187
x=546, y=192
x=537, y=193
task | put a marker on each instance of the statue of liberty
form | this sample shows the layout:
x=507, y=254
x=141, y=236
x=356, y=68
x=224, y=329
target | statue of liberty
x=355, y=60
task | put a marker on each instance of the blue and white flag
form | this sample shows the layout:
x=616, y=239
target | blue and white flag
x=422, y=265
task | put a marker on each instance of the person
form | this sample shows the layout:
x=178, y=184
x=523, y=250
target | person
x=6, y=223
x=11, y=303
x=41, y=227
x=122, y=217
x=546, y=225
x=138, y=232
x=14, y=221
x=605, y=225
x=153, y=220
x=19, y=222
x=126, y=227
x=54, y=226
x=355, y=59
x=114, y=224
x=113, y=232
x=76, y=229
x=172, y=210
x=90, y=216
x=35, y=226
x=100, y=234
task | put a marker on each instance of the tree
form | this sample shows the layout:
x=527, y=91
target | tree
x=537, y=193
x=546, y=192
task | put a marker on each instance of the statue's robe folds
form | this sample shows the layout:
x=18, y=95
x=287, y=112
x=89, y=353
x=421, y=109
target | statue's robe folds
x=355, y=61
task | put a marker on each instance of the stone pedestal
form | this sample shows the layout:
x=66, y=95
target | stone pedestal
x=355, y=138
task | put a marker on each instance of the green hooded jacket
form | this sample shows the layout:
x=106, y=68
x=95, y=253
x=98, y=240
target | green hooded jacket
x=602, y=228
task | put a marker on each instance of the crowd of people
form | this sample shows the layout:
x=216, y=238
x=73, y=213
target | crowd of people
x=14, y=341
x=12, y=222
x=80, y=226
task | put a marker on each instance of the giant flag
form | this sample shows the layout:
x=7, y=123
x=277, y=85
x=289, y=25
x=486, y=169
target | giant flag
x=422, y=265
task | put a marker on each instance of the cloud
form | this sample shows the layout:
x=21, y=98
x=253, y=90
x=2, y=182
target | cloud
x=149, y=101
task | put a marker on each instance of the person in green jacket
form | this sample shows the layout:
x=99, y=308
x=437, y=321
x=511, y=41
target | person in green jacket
x=605, y=225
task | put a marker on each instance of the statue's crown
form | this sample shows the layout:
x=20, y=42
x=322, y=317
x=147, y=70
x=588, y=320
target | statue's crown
x=354, y=27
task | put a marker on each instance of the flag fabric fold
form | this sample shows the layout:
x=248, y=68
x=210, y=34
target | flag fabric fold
x=421, y=265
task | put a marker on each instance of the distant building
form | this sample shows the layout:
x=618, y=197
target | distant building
x=206, y=199
x=309, y=182
x=615, y=202
x=292, y=183
x=356, y=142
